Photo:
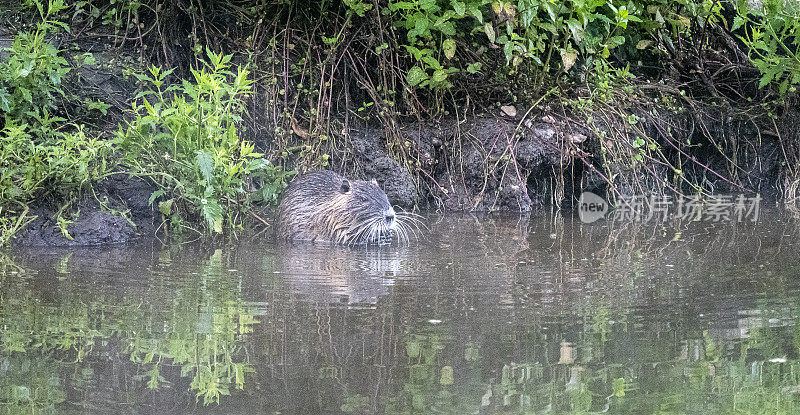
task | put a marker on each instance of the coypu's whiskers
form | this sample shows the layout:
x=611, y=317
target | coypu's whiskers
x=361, y=232
x=410, y=216
x=402, y=233
x=376, y=230
x=409, y=222
x=368, y=231
x=402, y=229
x=406, y=226
x=407, y=213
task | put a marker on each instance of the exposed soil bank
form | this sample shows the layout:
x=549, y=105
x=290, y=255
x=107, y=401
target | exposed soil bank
x=117, y=212
x=481, y=164
x=500, y=163
x=478, y=164
x=682, y=111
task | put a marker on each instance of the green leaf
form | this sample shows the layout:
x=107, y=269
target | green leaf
x=439, y=75
x=459, y=8
x=88, y=59
x=154, y=376
x=619, y=387
x=508, y=50
x=770, y=71
x=412, y=348
x=428, y=5
x=98, y=105
x=554, y=15
x=212, y=212
x=615, y=41
x=380, y=48
x=205, y=163
x=489, y=29
x=765, y=79
x=155, y=195
x=475, y=11
x=21, y=394
x=5, y=100
x=447, y=28
x=165, y=207
x=416, y=53
x=738, y=21
x=421, y=27
x=447, y=376
x=576, y=28
x=449, y=47
x=783, y=86
x=26, y=94
x=474, y=67
x=432, y=62
x=415, y=76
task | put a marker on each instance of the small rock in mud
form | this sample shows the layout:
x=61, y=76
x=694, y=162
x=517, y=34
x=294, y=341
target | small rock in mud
x=372, y=161
x=395, y=181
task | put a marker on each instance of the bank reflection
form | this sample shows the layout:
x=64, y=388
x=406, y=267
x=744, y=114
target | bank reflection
x=486, y=315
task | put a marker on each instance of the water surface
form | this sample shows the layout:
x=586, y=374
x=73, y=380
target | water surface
x=485, y=315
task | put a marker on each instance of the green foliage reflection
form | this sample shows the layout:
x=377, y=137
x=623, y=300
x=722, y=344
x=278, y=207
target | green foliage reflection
x=201, y=335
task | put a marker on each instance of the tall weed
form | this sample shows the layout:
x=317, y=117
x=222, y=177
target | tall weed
x=40, y=152
x=185, y=138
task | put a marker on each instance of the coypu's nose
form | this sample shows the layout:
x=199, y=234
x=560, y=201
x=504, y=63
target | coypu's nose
x=389, y=216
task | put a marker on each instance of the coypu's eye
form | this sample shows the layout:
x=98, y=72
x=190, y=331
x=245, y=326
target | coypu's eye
x=345, y=186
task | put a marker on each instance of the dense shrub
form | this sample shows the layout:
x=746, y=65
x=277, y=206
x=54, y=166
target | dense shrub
x=323, y=66
x=40, y=150
x=772, y=35
x=185, y=138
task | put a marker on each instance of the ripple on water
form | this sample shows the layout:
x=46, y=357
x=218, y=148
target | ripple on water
x=485, y=313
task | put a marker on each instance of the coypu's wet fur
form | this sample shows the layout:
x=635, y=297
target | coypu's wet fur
x=323, y=206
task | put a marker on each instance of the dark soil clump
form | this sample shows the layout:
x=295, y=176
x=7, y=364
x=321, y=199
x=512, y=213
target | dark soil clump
x=117, y=214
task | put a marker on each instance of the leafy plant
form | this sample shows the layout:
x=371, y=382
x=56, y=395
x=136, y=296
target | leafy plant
x=30, y=78
x=11, y=223
x=185, y=138
x=431, y=28
x=38, y=149
x=773, y=37
x=535, y=38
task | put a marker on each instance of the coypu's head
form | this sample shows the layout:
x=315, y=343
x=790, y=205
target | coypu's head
x=367, y=209
x=327, y=207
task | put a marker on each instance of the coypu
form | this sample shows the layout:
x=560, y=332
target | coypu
x=324, y=206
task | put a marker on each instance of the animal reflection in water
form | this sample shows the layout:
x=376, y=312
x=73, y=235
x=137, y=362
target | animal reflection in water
x=362, y=275
x=323, y=206
x=338, y=274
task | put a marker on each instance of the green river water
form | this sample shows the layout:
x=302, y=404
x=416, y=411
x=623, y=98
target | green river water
x=482, y=315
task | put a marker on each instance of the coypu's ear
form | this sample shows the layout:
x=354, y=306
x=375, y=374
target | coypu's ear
x=375, y=182
x=345, y=186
